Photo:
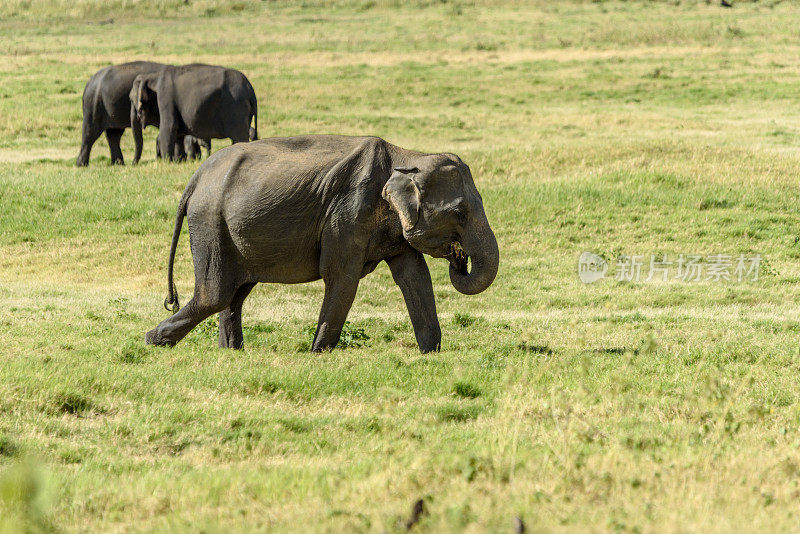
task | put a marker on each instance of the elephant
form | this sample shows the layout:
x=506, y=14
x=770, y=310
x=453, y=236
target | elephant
x=191, y=147
x=187, y=147
x=106, y=107
x=298, y=209
x=204, y=101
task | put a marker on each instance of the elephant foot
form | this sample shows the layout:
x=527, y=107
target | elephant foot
x=153, y=337
x=430, y=347
x=82, y=163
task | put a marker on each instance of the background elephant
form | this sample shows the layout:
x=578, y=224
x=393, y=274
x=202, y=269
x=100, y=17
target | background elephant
x=204, y=101
x=106, y=107
x=148, y=115
x=186, y=146
x=297, y=209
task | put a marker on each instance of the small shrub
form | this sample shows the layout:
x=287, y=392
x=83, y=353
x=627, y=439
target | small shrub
x=209, y=327
x=351, y=337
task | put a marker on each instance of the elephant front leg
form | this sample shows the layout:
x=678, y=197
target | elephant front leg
x=411, y=273
x=168, y=137
x=340, y=291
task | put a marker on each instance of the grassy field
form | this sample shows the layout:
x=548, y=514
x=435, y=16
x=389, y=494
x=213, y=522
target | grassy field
x=612, y=127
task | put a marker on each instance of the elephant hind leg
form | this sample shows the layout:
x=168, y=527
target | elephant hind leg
x=113, y=136
x=216, y=282
x=211, y=295
x=90, y=134
x=230, y=320
x=173, y=329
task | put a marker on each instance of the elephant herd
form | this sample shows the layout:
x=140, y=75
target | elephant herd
x=294, y=209
x=190, y=104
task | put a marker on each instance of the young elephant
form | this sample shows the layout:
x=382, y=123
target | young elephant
x=199, y=100
x=106, y=107
x=297, y=209
x=187, y=147
x=191, y=147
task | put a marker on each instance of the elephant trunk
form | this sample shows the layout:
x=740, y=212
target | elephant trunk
x=480, y=246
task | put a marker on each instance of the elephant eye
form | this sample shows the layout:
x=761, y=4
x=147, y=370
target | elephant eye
x=457, y=208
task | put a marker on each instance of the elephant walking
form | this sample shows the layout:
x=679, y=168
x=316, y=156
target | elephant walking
x=106, y=107
x=297, y=209
x=204, y=101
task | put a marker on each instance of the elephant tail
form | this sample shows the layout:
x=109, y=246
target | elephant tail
x=254, y=129
x=172, y=291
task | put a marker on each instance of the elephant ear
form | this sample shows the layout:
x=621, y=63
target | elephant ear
x=402, y=194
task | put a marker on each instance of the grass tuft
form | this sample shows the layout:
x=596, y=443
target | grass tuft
x=466, y=390
x=72, y=403
x=133, y=352
x=464, y=320
x=457, y=413
x=8, y=447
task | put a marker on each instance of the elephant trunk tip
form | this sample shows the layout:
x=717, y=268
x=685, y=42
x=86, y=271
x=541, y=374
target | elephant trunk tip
x=482, y=253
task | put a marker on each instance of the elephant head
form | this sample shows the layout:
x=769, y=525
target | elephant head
x=144, y=101
x=441, y=213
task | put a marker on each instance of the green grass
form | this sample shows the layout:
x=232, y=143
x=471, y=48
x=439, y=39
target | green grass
x=612, y=127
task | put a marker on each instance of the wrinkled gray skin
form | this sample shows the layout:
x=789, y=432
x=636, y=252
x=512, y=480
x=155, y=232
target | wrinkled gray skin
x=297, y=209
x=204, y=101
x=106, y=107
